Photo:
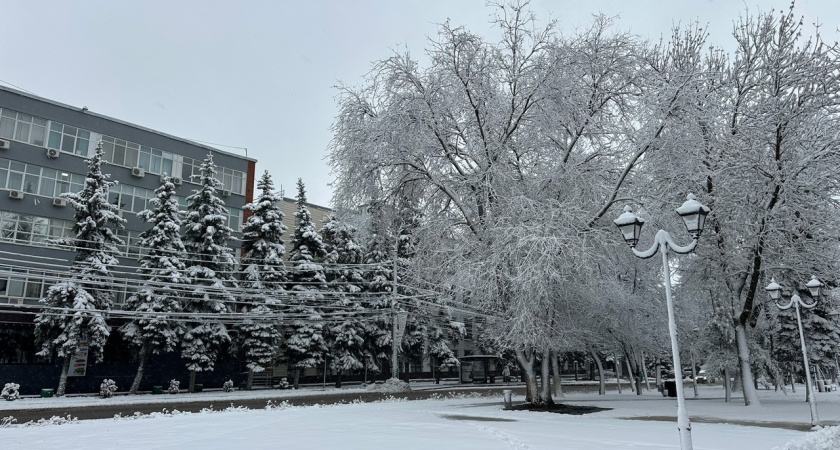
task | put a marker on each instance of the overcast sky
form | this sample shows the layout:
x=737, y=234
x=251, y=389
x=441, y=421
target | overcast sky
x=261, y=74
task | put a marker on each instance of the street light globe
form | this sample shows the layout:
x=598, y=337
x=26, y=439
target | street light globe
x=630, y=225
x=774, y=289
x=814, y=286
x=694, y=214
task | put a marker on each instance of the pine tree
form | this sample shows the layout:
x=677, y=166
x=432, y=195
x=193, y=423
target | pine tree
x=165, y=282
x=84, y=297
x=211, y=270
x=263, y=276
x=378, y=262
x=305, y=346
x=345, y=335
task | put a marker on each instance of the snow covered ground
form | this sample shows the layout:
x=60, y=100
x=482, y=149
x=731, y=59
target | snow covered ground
x=447, y=422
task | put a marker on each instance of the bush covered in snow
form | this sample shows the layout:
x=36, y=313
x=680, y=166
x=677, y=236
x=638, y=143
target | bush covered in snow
x=227, y=386
x=284, y=383
x=390, y=385
x=107, y=388
x=174, y=386
x=11, y=391
x=826, y=439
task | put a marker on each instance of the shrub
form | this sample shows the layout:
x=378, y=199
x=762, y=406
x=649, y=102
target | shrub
x=107, y=388
x=174, y=386
x=228, y=386
x=11, y=391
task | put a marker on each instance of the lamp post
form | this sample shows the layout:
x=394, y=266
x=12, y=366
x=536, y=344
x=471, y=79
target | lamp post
x=694, y=215
x=775, y=291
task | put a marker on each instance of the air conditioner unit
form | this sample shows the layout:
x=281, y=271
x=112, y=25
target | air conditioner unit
x=16, y=194
x=138, y=172
x=225, y=193
x=16, y=301
x=52, y=153
x=177, y=181
x=4, y=144
x=59, y=202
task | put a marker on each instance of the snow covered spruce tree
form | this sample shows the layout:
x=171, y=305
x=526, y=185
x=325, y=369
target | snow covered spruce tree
x=162, y=269
x=76, y=308
x=263, y=278
x=378, y=299
x=345, y=281
x=305, y=346
x=211, y=271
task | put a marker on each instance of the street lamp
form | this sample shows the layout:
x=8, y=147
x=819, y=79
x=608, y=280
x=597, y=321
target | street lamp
x=775, y=292
x=694, y=215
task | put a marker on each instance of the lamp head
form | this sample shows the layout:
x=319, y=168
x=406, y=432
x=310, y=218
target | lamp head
x=814, y=286
x=774, y=289
x=630, y=225
x=694, y=214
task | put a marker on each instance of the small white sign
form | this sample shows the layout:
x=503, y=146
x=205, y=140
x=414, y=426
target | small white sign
x=78, y=362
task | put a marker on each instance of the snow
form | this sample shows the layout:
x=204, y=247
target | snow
x=449, y=421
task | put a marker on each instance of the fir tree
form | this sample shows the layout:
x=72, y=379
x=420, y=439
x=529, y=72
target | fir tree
x=263, y=276
x=345, y=335
x=84, y=297
x=165, y=283
x=211, y=270
x=378, y=262
x=305, y=345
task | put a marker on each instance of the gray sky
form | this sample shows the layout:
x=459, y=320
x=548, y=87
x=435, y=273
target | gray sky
x=261, y=74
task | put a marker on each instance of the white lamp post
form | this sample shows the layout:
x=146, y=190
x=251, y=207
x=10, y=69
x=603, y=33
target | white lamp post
x=693, y=214
x=775, y=292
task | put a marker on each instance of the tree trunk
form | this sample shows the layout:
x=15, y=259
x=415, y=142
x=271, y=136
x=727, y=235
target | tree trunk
x=545, y=372
x=602, y=382
x=617, y=365
x=338, y=379
x=727, y=385
x=531, y=394
x=297, y=378
x=792, y=383
x=249, y=382
x=630, y=375
x=643, y=367
x=659, y=372
x=191, y=387
x=141, y=367
x=750, y=394
x=555, y=369
x=62, y=379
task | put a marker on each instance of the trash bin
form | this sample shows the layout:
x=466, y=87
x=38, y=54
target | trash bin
x=508, y=398
x=46, y=393
x=820, y=385
x=199, y=387
x=157, y=389
x=671, y=388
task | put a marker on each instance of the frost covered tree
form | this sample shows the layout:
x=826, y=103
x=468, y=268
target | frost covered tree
x=378, y=300
x=76, y=308
x=304, y=334
x=211, y=269
x=519, y=149
x=760, y=144
x=162, y=268
x=345, y=282
x=263, y=277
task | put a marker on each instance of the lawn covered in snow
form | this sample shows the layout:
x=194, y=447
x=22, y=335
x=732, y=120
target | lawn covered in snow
x=447, y=422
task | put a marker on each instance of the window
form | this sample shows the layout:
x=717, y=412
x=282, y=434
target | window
x=32, y=230
x=22, y=127
x=38, y=180
x=131, y=198
x=69, y=139
x=232, y=180
x=124, y=153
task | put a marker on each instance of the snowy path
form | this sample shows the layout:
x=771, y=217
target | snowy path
x=467, y=423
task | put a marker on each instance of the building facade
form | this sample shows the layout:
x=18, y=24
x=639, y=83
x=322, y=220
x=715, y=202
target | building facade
x=43, y=149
